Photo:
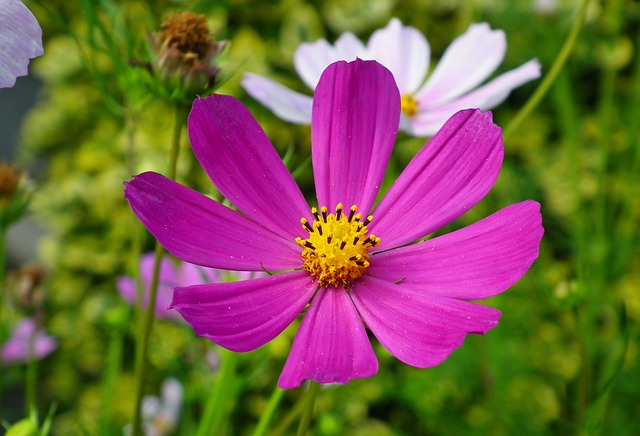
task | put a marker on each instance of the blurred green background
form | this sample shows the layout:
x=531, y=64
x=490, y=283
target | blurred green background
x=564, y=359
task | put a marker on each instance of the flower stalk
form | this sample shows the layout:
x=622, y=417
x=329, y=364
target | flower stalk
x=149, y=314
x=267, y=416
x=308, y=408
x=550, y=78
x=218, y=403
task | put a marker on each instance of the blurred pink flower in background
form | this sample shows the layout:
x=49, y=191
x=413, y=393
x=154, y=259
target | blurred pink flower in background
x=453, y=85
x=27, y=341
x=20, y=41
x=173, y=273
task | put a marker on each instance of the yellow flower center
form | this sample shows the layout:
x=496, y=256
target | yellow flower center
x=336, y=251
x=409, y=105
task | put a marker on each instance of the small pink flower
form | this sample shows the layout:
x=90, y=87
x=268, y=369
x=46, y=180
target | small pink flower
x=345, y=267
x=20, y=40
x=172, y=275
x=27, y=341
x=426, y=105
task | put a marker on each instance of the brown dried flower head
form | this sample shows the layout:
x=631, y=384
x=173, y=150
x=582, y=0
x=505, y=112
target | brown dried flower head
x=184, y=52
x=9, y=180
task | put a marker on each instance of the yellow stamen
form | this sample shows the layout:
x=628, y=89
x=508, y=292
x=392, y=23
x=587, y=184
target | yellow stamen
x=336, y=251
x=409, y=105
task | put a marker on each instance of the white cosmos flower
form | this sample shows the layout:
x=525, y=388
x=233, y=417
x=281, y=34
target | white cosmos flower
x=454, y=84
x=20, y=40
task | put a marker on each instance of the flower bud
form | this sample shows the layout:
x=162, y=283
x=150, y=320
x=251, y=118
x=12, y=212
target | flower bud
x=184, y=53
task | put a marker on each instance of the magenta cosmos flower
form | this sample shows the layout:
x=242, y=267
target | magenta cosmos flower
x=350, y=269
x=172, y=275
x=20, y=40
x=27, y=340
x=426, y=105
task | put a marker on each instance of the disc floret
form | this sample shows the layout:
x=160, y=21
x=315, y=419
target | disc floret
x=337, y=249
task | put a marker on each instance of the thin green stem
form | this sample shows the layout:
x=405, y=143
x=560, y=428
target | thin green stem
x=557, y=66
x=218, y=404
x=3, y=295
x=32, y=373
x=267, y=416
x=3, y=266
x=308, y=408
x=149, y=315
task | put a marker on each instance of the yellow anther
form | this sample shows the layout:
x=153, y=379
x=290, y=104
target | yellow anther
x=336, y=251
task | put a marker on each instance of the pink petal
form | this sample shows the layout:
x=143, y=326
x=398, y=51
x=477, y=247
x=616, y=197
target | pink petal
x=171, y=275
x=286, y=104
x=479, y=261
x=428, y=121
x=350, y=48
x=404, y=51
x=466, y=63
x=356, y=110
x=451, y=173
x=238, y=157
x=27, y=341
x=419, y=329
x=332, y=344
x=243, y=316
x=20, y=40
x=196, y=229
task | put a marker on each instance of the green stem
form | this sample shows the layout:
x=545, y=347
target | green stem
x=219, y=403
x=3, y=333
x=32, y=373
x=3, y=266
x=308, y=408
x=267, y=416
x=149, y=315
x=542, y=90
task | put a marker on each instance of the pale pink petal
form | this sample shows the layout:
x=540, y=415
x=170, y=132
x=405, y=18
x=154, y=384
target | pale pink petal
x=20, y=40
x=171, y=275
x=356, y=110
x=349, y=48
x=286, y=104
x=196, y=229
x=451, y=173
x=478, y=261
x=404, y=51
x=332, y=344
x=245, y=315
x=27, y=342
x=311, y=58
x=427, y=122
x=419, y=329
x=466, y=63
x=240, y=160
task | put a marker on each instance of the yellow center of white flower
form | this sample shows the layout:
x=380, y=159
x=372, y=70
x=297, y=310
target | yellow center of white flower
x=409, y=105
x=336, y=251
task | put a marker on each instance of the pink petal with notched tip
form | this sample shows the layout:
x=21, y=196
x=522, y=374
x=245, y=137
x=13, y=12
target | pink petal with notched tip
x=240, y=160
x=356, y=110
x=196, y=229
x=245, y=315
x=478, y=261
x=451, y=173
x=332, y=344
x=419, y=329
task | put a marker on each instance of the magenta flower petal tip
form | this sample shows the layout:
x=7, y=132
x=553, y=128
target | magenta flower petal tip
x=20, y=39
x=352, y=267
